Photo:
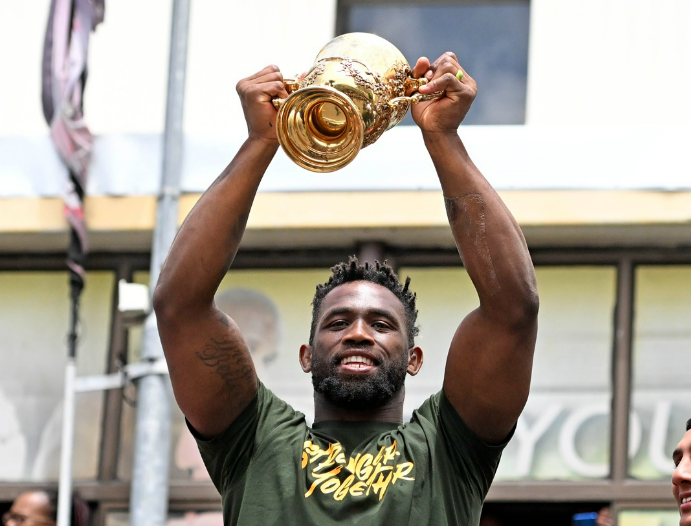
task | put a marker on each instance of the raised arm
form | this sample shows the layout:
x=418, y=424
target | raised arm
x=210, y=365
x=489, y=365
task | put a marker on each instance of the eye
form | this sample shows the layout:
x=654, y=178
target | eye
x=381, y=326
x=338, y=324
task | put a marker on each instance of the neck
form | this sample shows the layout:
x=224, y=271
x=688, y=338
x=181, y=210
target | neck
x=391, y=411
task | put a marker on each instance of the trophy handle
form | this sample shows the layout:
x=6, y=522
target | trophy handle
x=291, y=85
x=415, y=84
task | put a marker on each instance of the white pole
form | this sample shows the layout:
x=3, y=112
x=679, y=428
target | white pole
x=65, y=482
x=149, y=489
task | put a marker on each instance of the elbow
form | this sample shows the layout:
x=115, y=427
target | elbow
x=531, y=304
x=518, y=311
x=524, y=311
x=174, y=302
x=165, y=303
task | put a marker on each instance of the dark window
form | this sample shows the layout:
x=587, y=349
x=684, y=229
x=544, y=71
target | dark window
x=489, y=38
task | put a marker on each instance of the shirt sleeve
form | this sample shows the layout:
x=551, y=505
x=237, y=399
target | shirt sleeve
x=473, y=459
x=228, y=455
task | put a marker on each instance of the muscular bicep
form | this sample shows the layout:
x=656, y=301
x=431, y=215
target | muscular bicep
x=488, y=370
x=210, y=367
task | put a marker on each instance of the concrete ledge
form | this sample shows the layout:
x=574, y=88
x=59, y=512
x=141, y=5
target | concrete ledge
x=411, y=218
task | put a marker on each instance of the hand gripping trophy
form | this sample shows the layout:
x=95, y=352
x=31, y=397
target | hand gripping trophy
x=359, y=86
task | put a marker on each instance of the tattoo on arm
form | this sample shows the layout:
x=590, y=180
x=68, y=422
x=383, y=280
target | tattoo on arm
x=468, y=212
x=228, y=358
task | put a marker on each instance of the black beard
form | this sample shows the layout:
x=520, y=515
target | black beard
x=355, y=391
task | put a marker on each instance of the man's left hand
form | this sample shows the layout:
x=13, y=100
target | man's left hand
x=443, y=115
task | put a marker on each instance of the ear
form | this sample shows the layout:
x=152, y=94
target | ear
x=415, y=356
x=306, y=358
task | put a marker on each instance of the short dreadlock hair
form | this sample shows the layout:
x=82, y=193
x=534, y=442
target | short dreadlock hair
x=688, y=425
x=379, y=273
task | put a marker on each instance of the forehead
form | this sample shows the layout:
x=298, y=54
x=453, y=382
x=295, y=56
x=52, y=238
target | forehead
x=362, y=295
x=31, y=503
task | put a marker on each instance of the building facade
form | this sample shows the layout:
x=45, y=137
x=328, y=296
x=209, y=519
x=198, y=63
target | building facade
x=581, y=123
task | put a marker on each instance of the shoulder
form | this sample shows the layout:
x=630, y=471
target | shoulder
x=457, y=452
x=439, y=414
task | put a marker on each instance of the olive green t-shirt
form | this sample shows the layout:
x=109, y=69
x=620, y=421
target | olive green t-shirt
x=272, y=469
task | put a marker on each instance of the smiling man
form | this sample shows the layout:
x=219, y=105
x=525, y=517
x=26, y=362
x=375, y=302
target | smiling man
x=681, y=478
x=359, y=463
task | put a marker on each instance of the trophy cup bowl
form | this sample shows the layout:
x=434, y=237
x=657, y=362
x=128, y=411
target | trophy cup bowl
x=357, y=88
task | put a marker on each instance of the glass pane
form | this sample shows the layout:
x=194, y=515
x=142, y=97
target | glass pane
x=273, y=310
x=564, y=430
x=662, y=359
x=648, y=518
x=490, y=40
x=175, y=518
x=34, y=317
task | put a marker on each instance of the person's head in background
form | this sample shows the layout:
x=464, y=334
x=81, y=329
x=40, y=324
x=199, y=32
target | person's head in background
x=33, y=508
x=681, y=478
x=257, y=317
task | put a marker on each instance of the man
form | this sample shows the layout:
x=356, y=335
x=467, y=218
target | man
x=681, y=478
x=358, y=464
x=40, y=507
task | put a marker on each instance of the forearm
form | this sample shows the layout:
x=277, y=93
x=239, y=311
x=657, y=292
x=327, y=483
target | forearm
x=488, y=238
x=210, y=236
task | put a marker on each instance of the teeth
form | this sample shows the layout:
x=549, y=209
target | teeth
x=685, y=500
x=358, y=360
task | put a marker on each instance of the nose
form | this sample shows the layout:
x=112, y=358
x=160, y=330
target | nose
x=682, y=473
x=358, y=332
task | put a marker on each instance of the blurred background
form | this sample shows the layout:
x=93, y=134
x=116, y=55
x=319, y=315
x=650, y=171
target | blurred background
x=581, y=123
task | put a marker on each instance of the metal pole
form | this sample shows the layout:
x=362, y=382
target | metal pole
x=66, y=445
x=622, y=372
x=68, y=409
x=149, y=492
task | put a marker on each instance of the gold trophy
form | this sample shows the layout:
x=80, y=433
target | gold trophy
x=359, y=86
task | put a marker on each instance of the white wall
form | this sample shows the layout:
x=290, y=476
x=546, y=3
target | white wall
x=232, y=40
x=601, y=71
x=618, y=62
x=128, y=59
x=22, y=26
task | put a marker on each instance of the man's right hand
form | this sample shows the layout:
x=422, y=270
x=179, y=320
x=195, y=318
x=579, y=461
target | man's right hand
x=256, y=93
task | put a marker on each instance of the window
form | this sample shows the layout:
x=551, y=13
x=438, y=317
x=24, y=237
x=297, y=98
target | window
x=661, y=361
x=563, y=434
x=489, y=38
x=34, y=311
x=564, y=430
